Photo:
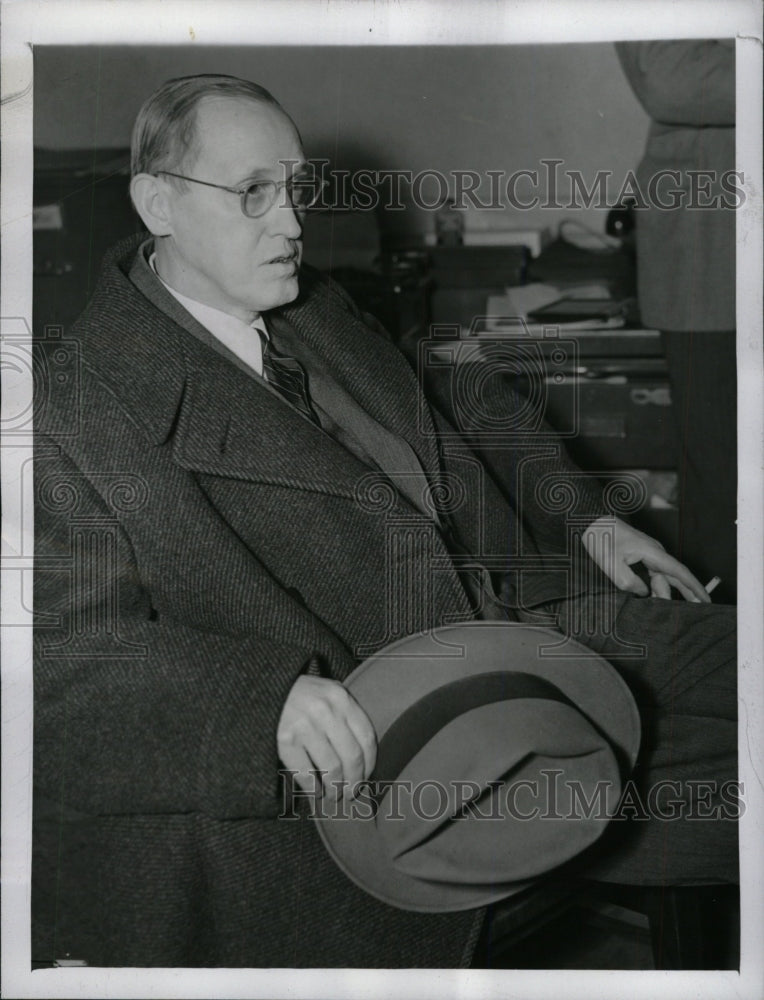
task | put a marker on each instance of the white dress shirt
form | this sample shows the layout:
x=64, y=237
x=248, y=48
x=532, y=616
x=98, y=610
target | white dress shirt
x=242, y=339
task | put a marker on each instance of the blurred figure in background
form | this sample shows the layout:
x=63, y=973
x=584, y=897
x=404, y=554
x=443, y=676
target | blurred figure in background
x=686, y=277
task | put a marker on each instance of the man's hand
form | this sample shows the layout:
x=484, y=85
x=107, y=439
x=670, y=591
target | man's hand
x=323, y=728
x=615, y=546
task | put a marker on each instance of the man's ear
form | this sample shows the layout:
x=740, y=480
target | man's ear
x=150, y=197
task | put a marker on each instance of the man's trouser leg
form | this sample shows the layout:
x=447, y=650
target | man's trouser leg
x=679, y=815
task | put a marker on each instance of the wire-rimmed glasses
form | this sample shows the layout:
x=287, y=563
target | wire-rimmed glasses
x=258, y=196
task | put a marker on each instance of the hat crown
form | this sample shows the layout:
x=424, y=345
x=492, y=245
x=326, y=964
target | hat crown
x=543, y=767
x=503, y=791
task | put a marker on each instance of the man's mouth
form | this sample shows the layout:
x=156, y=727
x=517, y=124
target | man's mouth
x=288, y=259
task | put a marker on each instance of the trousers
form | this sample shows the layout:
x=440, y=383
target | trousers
x=704, y=403
x=677, y=822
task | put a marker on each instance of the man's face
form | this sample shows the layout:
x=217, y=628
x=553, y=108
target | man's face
x=214, y=253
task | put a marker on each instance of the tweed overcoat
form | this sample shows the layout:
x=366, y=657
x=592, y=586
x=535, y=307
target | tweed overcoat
x=199, y=544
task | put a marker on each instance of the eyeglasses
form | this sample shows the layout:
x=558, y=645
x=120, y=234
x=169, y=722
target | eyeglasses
x=258, y=197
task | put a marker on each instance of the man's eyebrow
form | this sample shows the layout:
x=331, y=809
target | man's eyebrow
x=282, y=170
x=298, y=166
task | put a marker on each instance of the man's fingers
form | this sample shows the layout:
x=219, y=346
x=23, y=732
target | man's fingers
x=349, y=753
x=628, y=580
x=678, y=576
x=627, y=546
x=322, y=721
x=659, y=586
x=689, y=594
x=362, y=729
x=352, y=735
x=327, y=761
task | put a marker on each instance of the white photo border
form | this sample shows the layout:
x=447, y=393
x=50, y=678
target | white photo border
x=378, y=22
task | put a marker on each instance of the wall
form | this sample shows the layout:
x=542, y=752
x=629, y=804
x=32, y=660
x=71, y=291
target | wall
x=438, y=108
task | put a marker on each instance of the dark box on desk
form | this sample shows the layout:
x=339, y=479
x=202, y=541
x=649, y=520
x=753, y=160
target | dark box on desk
x=464, y=277
x=478, y=267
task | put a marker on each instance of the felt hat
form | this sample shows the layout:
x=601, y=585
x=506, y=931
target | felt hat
x=501, y=754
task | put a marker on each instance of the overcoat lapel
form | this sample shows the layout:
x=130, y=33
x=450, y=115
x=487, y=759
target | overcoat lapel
x=225, y=422
x=229, y=424
x=369, y=367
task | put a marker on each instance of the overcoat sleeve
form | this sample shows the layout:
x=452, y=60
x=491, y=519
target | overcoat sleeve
x=136, y=712
x=689, y=82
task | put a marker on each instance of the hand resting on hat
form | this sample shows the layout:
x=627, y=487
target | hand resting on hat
x=615, y=546
x=323, y=728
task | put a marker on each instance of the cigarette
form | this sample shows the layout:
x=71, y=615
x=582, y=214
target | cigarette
x=713, y=584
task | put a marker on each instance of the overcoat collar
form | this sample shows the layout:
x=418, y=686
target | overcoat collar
x=174, y=384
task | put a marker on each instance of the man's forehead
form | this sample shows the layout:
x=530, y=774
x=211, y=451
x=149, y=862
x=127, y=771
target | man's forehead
x=245, y=135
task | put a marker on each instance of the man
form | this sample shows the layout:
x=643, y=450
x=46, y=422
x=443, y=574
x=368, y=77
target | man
x=686, y=276
x=215, y=556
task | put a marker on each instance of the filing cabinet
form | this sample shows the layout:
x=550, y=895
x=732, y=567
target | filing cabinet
x=81, y=208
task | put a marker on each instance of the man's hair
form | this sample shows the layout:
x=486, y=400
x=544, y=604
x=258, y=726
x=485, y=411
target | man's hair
x=165, y=129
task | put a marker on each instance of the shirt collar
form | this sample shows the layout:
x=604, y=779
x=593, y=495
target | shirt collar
x=210, y=317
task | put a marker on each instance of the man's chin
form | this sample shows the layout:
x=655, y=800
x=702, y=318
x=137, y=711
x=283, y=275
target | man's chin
x=277, y=290
x=286, y=291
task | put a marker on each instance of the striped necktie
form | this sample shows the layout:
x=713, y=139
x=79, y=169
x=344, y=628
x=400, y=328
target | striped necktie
x=287, y=376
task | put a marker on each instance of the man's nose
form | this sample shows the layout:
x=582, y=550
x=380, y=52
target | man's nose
x=286, y=221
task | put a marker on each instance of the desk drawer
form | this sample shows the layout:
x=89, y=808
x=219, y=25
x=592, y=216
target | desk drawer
x=612, y=426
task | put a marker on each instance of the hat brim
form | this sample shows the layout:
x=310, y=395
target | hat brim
x=395, y=677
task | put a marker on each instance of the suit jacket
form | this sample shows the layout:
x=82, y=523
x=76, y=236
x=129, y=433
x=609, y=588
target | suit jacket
x=199, y=545
x=686, y=257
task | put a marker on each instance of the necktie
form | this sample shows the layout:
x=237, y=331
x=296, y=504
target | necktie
x=288, y=377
